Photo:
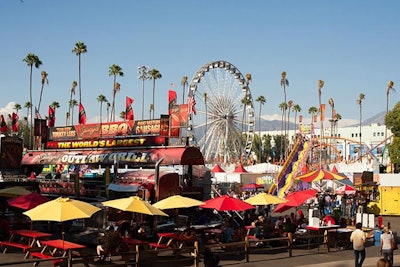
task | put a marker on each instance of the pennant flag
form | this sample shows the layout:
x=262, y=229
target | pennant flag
x=171, y=100
x=52, y=116
x=37, y=114
x=300, y=118
x=14, y=120
x=322, y=110
x=191, y=103
x=3, y=125
x=333, y=113
x=129, y=111
x=315, y=118
x=82, y=114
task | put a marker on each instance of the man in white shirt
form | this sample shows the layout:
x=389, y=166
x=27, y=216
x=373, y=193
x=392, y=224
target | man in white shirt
x=358, y=239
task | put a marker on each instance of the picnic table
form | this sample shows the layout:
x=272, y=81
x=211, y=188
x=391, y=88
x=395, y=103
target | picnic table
x=58, y=247
x=28, y=240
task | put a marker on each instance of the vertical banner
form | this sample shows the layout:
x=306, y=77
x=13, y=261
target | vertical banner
x=300, y=118
x=171, y=100
x=3, y=125
x=52, y=116
x=14, y=122
x=164, y=125
x=129, y=111
x=82, y=114
x=175, y=124
x=191, y=103
x=322, y=110
x=183, y=115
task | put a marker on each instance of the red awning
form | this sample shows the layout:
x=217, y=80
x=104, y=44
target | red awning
x=134, y=157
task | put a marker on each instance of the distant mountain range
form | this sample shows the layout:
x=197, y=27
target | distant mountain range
x=276, y=125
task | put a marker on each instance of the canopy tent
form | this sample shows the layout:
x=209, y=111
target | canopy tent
x=240, y=168
x=217, y=168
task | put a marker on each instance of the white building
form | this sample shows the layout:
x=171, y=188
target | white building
x=345, y=141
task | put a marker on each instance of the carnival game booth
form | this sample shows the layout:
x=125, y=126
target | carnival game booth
x=112, y=146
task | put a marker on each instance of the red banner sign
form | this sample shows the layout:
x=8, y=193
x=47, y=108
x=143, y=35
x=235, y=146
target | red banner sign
x=108, y=143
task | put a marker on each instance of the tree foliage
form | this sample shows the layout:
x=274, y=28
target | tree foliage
x=392, y=121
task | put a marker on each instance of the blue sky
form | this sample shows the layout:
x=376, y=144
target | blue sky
x=352, y=45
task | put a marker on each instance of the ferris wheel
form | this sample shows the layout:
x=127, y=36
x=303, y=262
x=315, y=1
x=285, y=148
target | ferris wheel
x=223, y=127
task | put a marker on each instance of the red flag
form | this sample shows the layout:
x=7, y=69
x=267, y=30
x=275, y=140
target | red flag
x=52, y=116
x=191, y=103
x=3, y=125
x=82, y=114
x=129, y=111
x=14, y=122
x=322, y=110
x=300, y=118
x=171, y=100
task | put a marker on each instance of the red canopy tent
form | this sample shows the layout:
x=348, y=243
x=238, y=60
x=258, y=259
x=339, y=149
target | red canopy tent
x=319, y=175
x=345, y=189
x=217, y=168
x=240, y=168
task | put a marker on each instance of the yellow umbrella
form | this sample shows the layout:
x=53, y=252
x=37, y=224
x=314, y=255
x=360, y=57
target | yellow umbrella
x=14, y=191
x=265, y=199
x=61, y=209
x=176, y=202
x=134, y=204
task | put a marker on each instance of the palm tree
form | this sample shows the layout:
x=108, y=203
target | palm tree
x=72, y=104
x=332, y=104
x=44, y=81
x=28, y=106
x=17, y=107
x=246, y=100
x=31, y=60
x=312, y=110
x=261, y=99
x=101, y=99
x=117, y=88
x=74, y=85
x=122, y=115
x=115, y=71
x=360, y=99
x=283, y=107
x=80, y=48
x=184, y=83
x=289, y=107
x=388, y=89
x=296, y=108
x=320, y=85
x=154, y=75
x=284, y=83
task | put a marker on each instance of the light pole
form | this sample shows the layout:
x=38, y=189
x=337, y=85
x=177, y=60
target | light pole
x=143, y=75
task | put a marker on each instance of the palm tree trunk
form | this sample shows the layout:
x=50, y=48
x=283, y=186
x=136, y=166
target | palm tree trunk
x=30, y=99
x=154, y=88
x=79, y=70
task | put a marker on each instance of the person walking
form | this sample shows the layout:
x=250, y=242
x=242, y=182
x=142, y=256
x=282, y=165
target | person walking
x=387, y=239
x=358, y=239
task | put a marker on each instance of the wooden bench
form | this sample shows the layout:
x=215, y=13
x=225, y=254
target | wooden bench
x=13, y=244
x=40, y=255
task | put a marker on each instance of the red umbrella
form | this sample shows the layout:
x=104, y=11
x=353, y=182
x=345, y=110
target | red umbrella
x=295, y=199
x=319, y=175
x=27, y=202
x=217, y=168
x=240, y=168
x=252, y=186
x=227, y=203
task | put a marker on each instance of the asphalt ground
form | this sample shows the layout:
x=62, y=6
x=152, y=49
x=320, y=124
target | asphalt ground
x=300, y=257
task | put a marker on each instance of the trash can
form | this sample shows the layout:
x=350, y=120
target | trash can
x=377, y=237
